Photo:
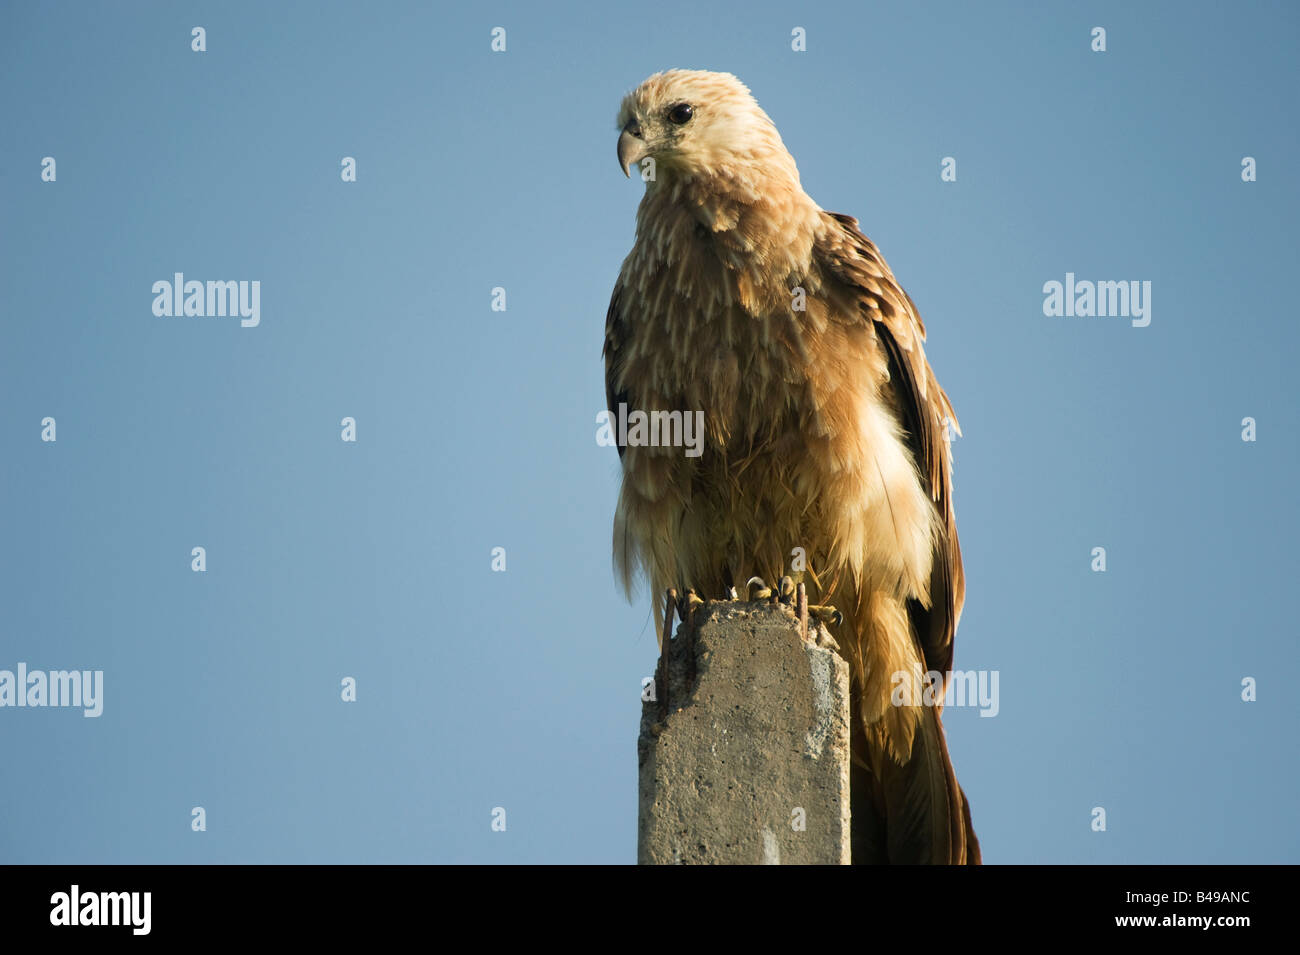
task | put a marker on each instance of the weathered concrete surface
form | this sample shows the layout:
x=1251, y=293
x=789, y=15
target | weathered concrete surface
x=759, y=735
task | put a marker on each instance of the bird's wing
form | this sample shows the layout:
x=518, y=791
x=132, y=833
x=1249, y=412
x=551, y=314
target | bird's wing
x=847, y=256
x=615, y=335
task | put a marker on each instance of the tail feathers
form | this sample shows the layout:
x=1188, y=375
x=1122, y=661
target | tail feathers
x=914, y=812
x=973, y=856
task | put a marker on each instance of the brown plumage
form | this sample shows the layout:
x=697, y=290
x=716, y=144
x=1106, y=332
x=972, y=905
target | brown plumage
x=825, y=429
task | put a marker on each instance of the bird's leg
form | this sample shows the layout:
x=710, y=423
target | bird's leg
x=665, y=652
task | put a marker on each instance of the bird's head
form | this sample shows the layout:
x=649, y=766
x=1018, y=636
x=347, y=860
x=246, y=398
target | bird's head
x=696, y=123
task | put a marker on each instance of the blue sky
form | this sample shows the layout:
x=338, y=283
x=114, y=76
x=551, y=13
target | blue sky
x=476, y=428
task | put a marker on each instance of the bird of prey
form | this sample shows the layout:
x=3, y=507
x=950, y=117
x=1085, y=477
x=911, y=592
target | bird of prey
x=824, y=429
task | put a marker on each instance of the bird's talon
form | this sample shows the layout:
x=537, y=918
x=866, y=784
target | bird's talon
x=827, y=615
x=785, y=590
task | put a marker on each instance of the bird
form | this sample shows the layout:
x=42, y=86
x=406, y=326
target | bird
x=825, y=432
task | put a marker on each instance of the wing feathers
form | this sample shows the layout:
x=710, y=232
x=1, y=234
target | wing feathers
x=850, y=257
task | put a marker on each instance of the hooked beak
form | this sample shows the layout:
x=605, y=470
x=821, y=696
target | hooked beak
x=631, y=147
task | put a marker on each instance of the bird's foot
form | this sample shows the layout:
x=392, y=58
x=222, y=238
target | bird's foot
x=786, y=591
x=795, y=596
x=824, y=614
x=687, y=606
x=828, y=617
x=759, y=589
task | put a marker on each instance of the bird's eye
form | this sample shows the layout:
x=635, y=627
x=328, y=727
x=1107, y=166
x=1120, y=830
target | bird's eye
x=681, y=113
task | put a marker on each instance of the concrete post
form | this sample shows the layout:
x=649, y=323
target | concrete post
x=750, y=763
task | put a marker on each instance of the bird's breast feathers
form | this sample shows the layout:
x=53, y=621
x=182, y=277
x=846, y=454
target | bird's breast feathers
x=793, y=386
